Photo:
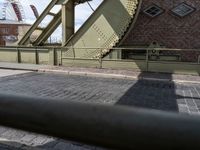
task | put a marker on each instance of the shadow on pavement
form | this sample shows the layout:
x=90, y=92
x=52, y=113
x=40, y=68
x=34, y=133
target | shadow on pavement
x=151, y=94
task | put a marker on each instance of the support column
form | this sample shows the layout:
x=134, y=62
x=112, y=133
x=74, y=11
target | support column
x=67, y=21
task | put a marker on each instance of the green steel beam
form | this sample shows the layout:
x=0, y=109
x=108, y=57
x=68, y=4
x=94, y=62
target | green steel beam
x=66, y=16
x=26, y=38
x=131, y=25
x=67, y=21
x=104, y=28
x=62, y=2
x=46, y=33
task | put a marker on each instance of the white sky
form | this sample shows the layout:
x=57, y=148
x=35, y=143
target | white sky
x=82, y=12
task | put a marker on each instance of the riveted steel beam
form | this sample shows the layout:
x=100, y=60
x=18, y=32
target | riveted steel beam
x=104, y=28
x=67, y=21
x=26, y=38
x=51, y=27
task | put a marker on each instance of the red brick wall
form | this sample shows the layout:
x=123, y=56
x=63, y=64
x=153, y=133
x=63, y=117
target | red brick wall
x=168, y=29
x=7, y=29
x=2, y=42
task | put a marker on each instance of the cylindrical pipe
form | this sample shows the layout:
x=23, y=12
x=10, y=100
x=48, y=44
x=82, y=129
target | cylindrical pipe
x=109, y=126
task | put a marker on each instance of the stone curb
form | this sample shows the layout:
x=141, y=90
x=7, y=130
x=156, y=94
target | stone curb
x=24, y=69
x=115, y=76
x=103, y=75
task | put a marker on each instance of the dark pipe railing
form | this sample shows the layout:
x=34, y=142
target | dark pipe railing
x=114, y=127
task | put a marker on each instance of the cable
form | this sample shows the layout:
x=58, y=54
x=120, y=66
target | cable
x=90, y=6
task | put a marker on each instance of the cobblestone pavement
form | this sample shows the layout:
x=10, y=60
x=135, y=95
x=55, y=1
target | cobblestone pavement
x=167, y=96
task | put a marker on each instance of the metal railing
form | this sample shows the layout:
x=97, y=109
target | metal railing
x=100, y=49
x=19, y=50
x=116, y=127
x=148, y=56
x=93, y=56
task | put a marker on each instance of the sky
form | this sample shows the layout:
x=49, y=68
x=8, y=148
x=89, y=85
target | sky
x=82, y=12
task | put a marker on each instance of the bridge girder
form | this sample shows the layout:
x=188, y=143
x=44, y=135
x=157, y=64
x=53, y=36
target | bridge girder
x=64, y=16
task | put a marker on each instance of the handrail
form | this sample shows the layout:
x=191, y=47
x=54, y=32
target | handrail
x=117, y=127
x=134, y=48
x=115, y=48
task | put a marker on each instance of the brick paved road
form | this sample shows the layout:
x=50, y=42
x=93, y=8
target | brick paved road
x=183, y=98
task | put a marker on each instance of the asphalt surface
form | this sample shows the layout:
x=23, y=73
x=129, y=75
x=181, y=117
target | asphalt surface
x=161, y=95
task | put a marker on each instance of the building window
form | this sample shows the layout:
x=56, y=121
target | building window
x=4, y=30
x=183, y=10
x=153, y=11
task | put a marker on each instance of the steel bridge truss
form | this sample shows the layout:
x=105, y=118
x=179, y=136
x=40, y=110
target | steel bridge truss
x=107, y=27
x=64, y=16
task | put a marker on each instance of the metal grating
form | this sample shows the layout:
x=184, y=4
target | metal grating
x=153, y=10
x=183, y=10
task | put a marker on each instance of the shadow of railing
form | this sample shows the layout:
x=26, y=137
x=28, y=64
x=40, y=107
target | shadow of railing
x=151, y=94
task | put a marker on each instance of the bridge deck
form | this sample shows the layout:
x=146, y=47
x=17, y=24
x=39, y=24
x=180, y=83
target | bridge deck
x=154, y=94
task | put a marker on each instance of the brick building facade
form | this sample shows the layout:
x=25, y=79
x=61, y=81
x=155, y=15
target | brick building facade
x=11, y=32
x=168, y=28
x=8, y=30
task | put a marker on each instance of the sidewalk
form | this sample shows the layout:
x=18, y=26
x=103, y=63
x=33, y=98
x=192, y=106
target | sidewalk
x=106, y=73
x=17, y=66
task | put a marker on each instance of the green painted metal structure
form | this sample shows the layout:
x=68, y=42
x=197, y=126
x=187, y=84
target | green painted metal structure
x=96, y=43
x=54, y=56
x=105, y=28
x=26, y=38
x=53, y=24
